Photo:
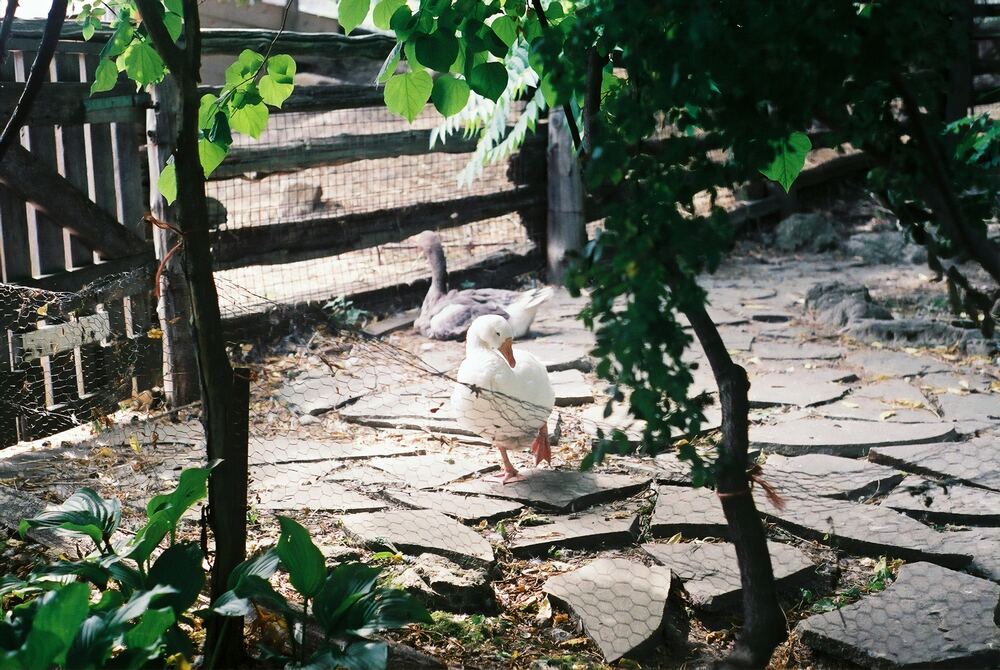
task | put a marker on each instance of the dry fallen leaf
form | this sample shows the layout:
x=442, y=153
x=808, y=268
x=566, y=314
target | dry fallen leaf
x=674, y=539
x=133, y=442
x=575, y=642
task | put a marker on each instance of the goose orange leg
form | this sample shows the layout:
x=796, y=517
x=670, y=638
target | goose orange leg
x=510, y=473
x=540, y=447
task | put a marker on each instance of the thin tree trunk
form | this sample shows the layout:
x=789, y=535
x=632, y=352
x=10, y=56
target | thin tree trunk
x=764, y=624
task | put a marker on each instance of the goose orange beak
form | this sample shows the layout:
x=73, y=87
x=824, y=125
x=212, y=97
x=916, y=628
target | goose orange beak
x=507, y=350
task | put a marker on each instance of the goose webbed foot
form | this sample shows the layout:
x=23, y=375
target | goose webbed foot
x=540, y=447
x=509, y=474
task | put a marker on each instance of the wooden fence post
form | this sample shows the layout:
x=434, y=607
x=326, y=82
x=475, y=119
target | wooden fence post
x=566, y=229
x=227, y=495
x=180, y=375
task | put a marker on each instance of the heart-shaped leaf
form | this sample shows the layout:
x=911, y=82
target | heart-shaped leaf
x=789, y=159
x=406, y=94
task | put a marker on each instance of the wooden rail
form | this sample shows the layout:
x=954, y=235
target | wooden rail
x=303, y=240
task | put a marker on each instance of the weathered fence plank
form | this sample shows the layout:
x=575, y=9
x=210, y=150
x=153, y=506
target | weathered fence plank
x=57, y=338
x=72, y=153
x=68, y=103
x=288, y=242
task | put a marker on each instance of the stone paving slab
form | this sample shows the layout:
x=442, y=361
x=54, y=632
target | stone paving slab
x=982, y=544
x=432, y=470
x=893, y=391
x=316, y=495
x=894, y=363
x=593, y=529
x=929, y=617
x=930, y=501
x=711, y=573
x=869, y=530
x=469, y=509
x=737, y=339
x=558, y=356
x=976, y=462
x=799, y=389
x=558, y=490
x=829, y=476
x=845, y=437
x=692, y=512
x=419, y=531
x=872, y=410
x=571, y=388
x=793, y=351
x=663, y=468
x=317, y=391
x=956, y=382
x=621, y=603
x=970, y=407
x=280, y=449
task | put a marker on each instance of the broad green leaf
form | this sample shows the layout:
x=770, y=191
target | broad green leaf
x=142, y=64
x=346, y=584
x=137, y=605
x=174, y=25
x=84, y=512
x=388, y=609
x=251, y=589
x=789, y=159
x=489, y=80
x=207, y=110
x=54, y=626
x=220, y=133
x=175, y=6
x=352, y=13
x=360, y=655
x=250, y=119
x=406, y=94
x=402, y=23
x=264, y=566
x=450, y=95
x=383, y=12
x=92, y=646
x=148, y=538
x=437, y=51
x=244, y=69
x=410, y=52
x=191, y=487
x=211, y=156
x=279, y=82
x=105, y=77
x=88, y=30
x=120, y=39
x=178, y=567
x=303, y=560
x=147, y=635
x=506, y=30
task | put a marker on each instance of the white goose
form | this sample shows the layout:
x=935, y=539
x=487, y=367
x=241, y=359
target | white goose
x=446, y=315
x=503, y=394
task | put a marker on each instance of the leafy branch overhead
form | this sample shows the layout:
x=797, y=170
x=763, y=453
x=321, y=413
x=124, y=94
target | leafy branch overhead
x=253, y=83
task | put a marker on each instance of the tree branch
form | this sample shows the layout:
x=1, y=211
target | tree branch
x=574, y=131
x=152, y=17
x=8, y=24
x=39, y=70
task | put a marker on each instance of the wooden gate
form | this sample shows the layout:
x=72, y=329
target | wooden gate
x=72, y=198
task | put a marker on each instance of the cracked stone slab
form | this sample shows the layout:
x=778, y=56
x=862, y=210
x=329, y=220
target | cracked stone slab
x=419, y=531
x=864, y=529
x=317, y=391
x=790, y=351
x=558, y=490
x=664, y=468
x=845, y=437
x=148, y=433
x=621, y=603
x=571, y=388
x=469, y=509
x=737, y=339
x=930, y=501
x=929, y=617
x=894, y=363
x=976, y=462
x=590, y=530
x=970, y=407
x=982, y=544
x=711, y=573
x=829, y=476
x=431, y=470
x=797, y=388
x=316, y=495
x=862, y=408
x=558, y=356
x=956, y=382
x=289, y=450
x=692, y=512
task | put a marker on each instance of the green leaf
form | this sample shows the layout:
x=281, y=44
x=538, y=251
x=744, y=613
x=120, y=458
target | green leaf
x=191, y=487
x=351, y=13
x=406, y=94
x=211, y=156
x=147, y=635
x=360, y=655
x=142, y=64
x=105, y=77
x=279, y=82
x=250, y=119
x=121, y=38
x=450, y=95
x=303, y=560
x=264, y=566
x=344, y=587
x=206, y=110
x=88, y=30
x=54, y=626
x=244, y=69
x=251, y=589
x=789, y=159
x=505, y=29
x=174, y=25
x=148, y=538
x=84, y=512
x=437, y=50
x=175, y=6
x=137, y=605
x=389, y=609
x=489, y=80
x=383, y=12
x=179, y=567
x=402, y=23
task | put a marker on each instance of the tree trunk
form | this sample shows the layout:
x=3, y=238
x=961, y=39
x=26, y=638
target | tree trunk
x=764, y=624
